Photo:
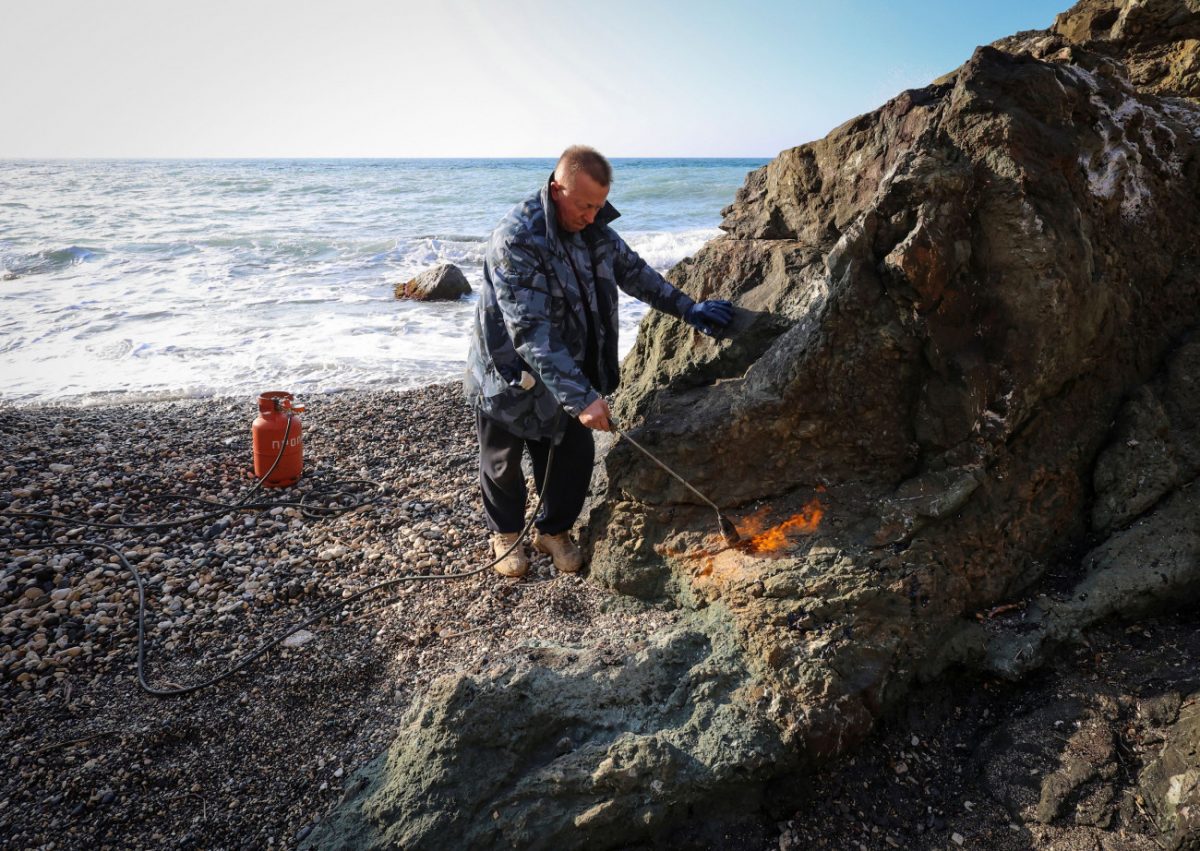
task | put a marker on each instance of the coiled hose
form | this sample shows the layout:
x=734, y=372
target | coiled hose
x=244, y=504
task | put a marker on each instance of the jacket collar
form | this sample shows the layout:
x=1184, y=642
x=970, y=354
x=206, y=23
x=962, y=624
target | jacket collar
x=606, y=215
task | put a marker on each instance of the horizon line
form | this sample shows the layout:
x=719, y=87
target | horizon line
x=5, y=158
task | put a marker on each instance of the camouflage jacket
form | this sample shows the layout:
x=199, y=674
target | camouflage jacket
x=539, y=286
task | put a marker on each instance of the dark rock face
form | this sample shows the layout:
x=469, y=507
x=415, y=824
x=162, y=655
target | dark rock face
x=1158, y=42
x=963, y=351
x=441, y=283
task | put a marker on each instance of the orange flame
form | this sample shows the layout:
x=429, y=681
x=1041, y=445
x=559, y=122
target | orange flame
x=768, y=540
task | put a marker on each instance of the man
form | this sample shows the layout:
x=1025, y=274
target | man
x=544, y=351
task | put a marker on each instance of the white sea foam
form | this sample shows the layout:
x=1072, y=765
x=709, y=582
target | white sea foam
x=662, y=250
x=225, y=278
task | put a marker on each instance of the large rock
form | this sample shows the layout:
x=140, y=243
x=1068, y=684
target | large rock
x=958, y=314
x=562, y=749
x=441, y=283
x=1157, y=41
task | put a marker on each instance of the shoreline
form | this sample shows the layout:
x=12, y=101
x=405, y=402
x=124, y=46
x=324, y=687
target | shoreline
x=122, y=399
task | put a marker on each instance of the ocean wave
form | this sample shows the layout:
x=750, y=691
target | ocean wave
x=313, y=189
x=423, y=252
x=663, y=249
x=212, y=276
x=271, y=248
x=452, y=237
x=243, y=186
x=91, y=329
x=48, y=260
x=658, y=192
x=159, y=250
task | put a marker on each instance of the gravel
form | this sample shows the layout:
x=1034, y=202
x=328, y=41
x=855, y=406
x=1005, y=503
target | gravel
x=256, y=760
x=962, y=738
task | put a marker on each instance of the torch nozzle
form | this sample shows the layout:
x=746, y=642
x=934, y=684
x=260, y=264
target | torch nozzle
x=728, y=531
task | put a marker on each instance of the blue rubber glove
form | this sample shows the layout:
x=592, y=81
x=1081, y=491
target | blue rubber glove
x=709, y=317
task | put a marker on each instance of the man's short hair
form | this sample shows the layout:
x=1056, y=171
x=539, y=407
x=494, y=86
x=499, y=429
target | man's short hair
x=582, y=158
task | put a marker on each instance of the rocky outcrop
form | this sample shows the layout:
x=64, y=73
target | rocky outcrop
x=441, y=283
x=963, y=323
x=1157, y=42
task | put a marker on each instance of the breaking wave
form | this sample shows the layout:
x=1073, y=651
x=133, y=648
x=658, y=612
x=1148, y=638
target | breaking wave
x=49, y=260
x=130, y=280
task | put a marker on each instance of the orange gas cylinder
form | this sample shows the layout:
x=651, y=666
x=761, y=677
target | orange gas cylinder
x=278, y=421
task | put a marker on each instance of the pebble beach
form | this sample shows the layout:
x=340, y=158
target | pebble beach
x=255, y=760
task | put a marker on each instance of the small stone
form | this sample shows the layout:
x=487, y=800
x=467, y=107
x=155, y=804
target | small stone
x=61, y=468
x=957, y=838
x=217, y=528
x=298, y=639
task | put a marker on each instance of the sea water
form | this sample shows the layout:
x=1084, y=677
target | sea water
x=127, y=280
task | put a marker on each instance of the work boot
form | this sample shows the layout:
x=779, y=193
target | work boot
x=516, y=563
x=561, y=548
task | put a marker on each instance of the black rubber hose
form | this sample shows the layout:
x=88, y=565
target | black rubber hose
x=263, y=648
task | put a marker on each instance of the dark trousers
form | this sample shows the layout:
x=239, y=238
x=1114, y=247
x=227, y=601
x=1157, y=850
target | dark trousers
x=503, y=482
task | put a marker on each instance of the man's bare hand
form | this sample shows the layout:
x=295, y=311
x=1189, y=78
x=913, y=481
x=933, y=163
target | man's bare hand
x=597, y=416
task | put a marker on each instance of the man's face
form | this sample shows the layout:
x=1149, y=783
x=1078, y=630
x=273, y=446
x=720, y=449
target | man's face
x=577, y=201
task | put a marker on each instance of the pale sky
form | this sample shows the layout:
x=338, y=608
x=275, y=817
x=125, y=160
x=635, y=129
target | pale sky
x=368, y=78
